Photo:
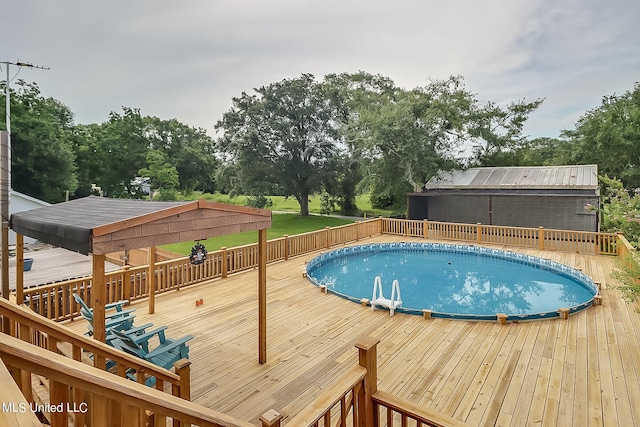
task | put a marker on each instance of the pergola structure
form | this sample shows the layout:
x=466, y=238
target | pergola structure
x=98, y=225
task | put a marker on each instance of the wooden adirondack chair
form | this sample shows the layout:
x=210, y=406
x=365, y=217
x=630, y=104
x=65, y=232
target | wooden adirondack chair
x=119, y=319
x=164, y=355
x=134, y=331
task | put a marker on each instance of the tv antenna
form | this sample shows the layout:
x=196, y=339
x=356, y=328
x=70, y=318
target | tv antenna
x=5, y=183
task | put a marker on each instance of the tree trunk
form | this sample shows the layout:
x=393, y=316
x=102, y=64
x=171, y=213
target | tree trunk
x=304, y=204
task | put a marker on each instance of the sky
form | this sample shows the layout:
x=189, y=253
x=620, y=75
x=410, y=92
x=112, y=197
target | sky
x=187, y=60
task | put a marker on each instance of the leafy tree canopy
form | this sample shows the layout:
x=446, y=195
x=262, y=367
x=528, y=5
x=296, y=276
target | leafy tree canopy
x=609, y=136
x=42, y=154
x=285, y=135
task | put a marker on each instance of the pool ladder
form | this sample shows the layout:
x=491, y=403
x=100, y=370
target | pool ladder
x=379, y=299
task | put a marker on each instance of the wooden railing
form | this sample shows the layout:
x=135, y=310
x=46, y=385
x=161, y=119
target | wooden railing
x=392, y=411
x=342, y=401
x=54, y=301
x=15, y=409
x=540, y=238
x=83, y=395
x=354, y=399
x=55, y=338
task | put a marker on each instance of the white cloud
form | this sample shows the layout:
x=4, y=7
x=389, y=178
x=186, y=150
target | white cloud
x=187, y=60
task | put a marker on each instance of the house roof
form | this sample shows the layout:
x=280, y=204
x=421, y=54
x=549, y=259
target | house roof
x=14, y=193
x=101, y=225
x=519, y=177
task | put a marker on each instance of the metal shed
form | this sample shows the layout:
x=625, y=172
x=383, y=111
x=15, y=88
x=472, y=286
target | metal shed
x=559, y=197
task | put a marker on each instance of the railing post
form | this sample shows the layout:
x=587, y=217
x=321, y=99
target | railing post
x=24, y=377
x=425, y=228
x=183, y=368
x=19, y=268
x=479, y=232
x=271, y=418
x=286, y=246
x=326, y=237
x=224, y=261
x=541, y=237
x=368, y=359
x=151, y=279
x=126, y=282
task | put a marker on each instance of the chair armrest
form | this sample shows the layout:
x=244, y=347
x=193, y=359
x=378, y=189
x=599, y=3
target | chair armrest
x=119, y=314
x=145, y=337
x=132, y=331
x=165, y=349
x=117, y=305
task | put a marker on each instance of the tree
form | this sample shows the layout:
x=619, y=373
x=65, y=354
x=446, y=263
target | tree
x=42, y=153
x=190, y=150
x=121, y=148
x=408, y=136
x=283, y=137
x=609, y=136
x=163, y=176
x=535, y=152
x=496, y=130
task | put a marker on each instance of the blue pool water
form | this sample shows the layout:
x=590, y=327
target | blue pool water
x=457, y=281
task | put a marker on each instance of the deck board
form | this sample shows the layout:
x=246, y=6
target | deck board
x=580, y=371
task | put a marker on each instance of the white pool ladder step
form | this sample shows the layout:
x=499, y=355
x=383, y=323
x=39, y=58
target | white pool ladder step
x=379, y=299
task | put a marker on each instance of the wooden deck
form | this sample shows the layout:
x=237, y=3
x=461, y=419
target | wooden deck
x=582, y=371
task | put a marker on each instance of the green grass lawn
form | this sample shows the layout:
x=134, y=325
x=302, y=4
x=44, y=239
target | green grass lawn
x=290, y=204
x=281, y=224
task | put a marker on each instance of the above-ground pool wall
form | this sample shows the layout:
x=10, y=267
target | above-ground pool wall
x=565, y=212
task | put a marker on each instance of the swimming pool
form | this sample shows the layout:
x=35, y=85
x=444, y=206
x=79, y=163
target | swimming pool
x=455, y=281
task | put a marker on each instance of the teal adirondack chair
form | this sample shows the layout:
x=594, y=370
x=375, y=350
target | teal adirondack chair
x=120, y=319
x=164, y=355
x=134, y=331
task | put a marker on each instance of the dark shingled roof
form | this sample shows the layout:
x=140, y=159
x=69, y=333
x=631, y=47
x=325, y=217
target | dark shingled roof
x=69, y=224
x=100, y=225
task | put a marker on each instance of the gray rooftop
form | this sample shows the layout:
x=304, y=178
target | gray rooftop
x=100, y=225
x=518, y=177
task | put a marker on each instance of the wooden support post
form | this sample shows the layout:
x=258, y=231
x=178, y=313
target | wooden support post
x=151, y=279
x=126, y=282
x=364, y=302
x=426, y=314
x=129, y=416
x=541, y=238
x=368, y=359
x=23, y=377
x=597, y=300
x=19, y=268
x=327, y=244
x=5, y=269
x=58, y=392
x=262, y=296
x=271, y=418
x=183, y=368
x=502, y=318
x=99, y=411
x=425, y=228
x=563, y=313
x=286, y=246
x=99, y=296
x=479, y=232
x=225, y=261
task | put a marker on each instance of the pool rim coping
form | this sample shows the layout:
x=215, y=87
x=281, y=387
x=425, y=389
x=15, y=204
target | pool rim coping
x=556, y=267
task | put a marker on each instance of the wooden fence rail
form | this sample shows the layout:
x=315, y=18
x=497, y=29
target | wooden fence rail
x=353, y=399
x=54, y=338
x=544, y=239
x=54, y=301
x=90, y=396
